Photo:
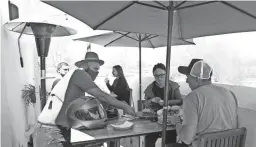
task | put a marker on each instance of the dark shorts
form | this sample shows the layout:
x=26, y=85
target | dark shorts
x=151, y=138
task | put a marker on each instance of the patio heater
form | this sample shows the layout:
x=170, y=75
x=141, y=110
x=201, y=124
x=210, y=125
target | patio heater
x=42, y=33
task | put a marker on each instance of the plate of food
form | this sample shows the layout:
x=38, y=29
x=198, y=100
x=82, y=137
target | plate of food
x=128, y=117
x=146, y=114
x=171, y=110
x=123, y=125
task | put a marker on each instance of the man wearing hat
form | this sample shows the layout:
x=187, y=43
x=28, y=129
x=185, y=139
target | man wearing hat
x=208, y=108
x=75, y=84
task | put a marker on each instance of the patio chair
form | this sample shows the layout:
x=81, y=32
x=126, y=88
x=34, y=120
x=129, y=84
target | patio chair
x=228, y=138
x=141, y=105
x=131, y=102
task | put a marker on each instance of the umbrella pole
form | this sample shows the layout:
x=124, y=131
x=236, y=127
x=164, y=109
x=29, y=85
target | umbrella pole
x=168, y=58
x=140, y=66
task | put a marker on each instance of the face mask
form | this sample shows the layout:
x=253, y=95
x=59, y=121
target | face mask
x=92, y=73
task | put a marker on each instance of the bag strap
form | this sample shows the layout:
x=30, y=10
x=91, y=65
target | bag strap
x=53, y=95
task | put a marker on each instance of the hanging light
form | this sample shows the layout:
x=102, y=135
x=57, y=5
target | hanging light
x=13, y=11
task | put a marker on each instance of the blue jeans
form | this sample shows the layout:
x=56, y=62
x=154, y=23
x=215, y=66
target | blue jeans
x=51, y=136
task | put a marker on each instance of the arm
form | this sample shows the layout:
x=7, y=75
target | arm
x=110, y=88
x=147, y=101
x=83, y=81
x=106, y=98
x=177, y=98
x=237, y=120
x=187, y=131
x=185, y=137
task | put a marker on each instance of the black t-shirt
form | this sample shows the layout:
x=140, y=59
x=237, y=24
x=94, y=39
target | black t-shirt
x=159, y=92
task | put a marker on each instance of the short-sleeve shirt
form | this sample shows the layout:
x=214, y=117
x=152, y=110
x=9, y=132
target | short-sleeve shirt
x=154, y=91
x=211, y=108
x=79, y=83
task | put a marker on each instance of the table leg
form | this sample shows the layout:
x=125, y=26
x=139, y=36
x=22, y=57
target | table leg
x=115, y=143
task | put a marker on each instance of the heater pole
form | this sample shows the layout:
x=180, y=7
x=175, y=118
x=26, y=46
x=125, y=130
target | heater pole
x=42, y=44
x=43, y=83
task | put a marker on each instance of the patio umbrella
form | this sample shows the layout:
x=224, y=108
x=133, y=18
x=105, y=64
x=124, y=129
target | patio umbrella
x=129, y=39
x=182, y=19
x=42, y=32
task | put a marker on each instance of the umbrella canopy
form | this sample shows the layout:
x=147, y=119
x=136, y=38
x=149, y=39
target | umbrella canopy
x=129, y=39
x=182, y=19
x=132, y=40
x=190, y=19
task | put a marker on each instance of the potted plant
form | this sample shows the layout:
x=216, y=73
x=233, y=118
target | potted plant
x=29, y=97
x=29, y=94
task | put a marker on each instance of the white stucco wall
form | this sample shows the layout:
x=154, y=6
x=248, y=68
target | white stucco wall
x=16, y=116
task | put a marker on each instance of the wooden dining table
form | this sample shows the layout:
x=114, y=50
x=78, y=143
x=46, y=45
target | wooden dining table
x=113, y=136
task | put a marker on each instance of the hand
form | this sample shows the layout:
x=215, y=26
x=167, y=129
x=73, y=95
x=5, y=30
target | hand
x=113, y=94
x=106, y=80
x=129, y=110
x=156, y=99
x=147, y=103
x=174, y=119
x=161, y=102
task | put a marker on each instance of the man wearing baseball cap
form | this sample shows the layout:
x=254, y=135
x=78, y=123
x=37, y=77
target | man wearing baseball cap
x=208, y=108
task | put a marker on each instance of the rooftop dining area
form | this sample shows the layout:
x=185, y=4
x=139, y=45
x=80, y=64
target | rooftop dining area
x=136, y=37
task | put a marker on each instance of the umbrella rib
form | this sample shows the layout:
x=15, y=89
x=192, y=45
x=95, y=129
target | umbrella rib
x=146, y=37
x=150, y=42
x=113, y=15
x=238, y=9
x=138, y=36
x=126, y=35
x=115, y=39
x=188, y=41
x=17, y=26
x=195, y=5
x=166, y=8
x=153, y=36
x=176, y=7
x=179, y=24
x=148, y=5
